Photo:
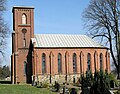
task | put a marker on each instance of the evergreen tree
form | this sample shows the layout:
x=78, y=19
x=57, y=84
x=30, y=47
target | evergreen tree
x=4, y=72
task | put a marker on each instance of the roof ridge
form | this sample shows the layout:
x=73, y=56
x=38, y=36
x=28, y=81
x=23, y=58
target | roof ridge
x=64, y=34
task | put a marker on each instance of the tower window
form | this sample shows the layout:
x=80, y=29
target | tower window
x=24, y=19
x=24, y=39
x=24, y=67
x=24, y=42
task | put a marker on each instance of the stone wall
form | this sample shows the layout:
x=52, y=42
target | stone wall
x=71, y=78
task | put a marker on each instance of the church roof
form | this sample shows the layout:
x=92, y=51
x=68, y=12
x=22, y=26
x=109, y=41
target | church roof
x=63, y=41
x=23, y=7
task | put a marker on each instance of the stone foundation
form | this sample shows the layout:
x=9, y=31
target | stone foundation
x=71, y=78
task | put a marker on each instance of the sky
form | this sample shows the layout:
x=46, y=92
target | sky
x=50, y=17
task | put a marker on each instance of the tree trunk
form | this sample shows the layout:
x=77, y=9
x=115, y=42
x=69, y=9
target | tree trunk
x=118, y=73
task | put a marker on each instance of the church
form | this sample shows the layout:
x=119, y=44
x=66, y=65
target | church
x=51, y=57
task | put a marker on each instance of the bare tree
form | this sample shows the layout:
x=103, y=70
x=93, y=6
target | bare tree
x=102, y=17
x=4, y=31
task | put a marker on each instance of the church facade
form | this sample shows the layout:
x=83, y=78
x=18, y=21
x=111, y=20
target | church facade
x=51, y=57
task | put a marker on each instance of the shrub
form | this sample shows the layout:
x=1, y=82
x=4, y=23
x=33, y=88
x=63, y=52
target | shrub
x=117, y=92
x=112, y=78
x=73, y=90
x=43, y=85
x=76, y=84
x=57, y=86
x=97, y=84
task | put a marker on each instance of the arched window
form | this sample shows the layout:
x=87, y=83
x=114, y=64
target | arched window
x=66, y=63
x=25, y=63
x=24, y=19
x=74, y=63
x=101, y=61
x=95, y=60
x=81, y=61
x=24, y=39
x=106, y=62
x=88, y=61
x=43, y=63
x=59, y=63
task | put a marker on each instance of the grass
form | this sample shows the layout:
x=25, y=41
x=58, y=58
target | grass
x=23, y=89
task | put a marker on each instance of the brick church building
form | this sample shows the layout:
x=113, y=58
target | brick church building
x=51, y=57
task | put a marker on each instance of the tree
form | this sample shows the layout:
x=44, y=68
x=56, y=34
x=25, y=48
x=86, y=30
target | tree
x=4, y=72
x=4, y=31
x=97, y=84
x=102, y=17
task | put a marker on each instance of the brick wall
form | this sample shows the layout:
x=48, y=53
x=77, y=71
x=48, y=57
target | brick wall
x=69, y=61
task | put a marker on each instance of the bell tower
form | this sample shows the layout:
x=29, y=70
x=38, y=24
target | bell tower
x=23, y=31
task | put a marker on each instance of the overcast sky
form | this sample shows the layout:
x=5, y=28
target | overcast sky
x=50, y=17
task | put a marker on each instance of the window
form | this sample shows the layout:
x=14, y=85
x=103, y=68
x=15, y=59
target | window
x=107, y=60
x=95, y=60
x=25, y=67
x=81, y=59
x=59, y=63
x=101, y=60
x=74, y=63
x=88, y=61
x=24, y=19
x=24, y=42
x=24, y=39
x=43, y=63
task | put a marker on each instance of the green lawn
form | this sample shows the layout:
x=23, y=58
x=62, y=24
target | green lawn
x=23, y=89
